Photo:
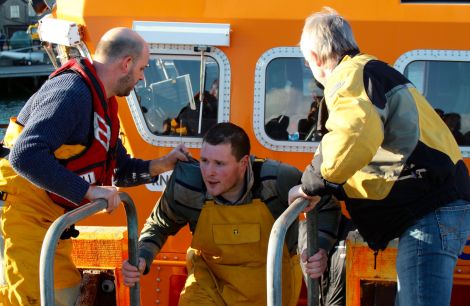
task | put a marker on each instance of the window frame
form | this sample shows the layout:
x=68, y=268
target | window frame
x=223, y=109
x=260, y=102
x=15, y=12
x=434, y=55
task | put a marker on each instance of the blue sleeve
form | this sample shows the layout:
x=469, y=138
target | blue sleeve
x=130, y=171
x=59, y=113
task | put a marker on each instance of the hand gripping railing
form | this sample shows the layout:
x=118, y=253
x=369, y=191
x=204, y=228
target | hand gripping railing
x=46, y=267
x=275, y=246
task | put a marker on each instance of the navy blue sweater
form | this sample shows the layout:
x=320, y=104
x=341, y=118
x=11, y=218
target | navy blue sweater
x=60, y=113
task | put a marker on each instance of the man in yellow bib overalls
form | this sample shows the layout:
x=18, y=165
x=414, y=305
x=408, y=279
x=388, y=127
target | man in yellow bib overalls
x=230, y=200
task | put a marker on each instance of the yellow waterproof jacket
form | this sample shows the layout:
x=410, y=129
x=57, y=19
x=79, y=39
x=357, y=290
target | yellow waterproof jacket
x=387, y=152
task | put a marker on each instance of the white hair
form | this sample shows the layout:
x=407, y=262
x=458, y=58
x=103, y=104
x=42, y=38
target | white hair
x=329, y=35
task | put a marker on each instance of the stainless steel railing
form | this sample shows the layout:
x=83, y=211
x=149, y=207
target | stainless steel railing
x=46, y=268
x=275, y=246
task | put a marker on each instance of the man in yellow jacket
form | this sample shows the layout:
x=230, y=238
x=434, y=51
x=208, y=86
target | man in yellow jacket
x=391, y=158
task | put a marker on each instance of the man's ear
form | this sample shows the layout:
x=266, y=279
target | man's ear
x=315, y=58
x=245, y=160
x=126, y=64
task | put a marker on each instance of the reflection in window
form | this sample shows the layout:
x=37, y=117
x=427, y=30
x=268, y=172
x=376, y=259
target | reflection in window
x=292, y=101
x=445, y=85
x=169, y=95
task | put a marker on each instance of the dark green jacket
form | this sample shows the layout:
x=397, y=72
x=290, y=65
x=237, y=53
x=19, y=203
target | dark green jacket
x=185, y=194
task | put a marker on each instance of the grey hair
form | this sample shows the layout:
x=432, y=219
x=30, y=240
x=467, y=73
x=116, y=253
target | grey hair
x=119, y=46
x=329, y=35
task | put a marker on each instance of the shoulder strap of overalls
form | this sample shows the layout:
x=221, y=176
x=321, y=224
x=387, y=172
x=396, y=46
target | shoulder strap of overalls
x=257, y=165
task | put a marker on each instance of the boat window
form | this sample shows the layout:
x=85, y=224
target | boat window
x=288, y=101
x=169, y=96
x=442, y=77
x=166, y=105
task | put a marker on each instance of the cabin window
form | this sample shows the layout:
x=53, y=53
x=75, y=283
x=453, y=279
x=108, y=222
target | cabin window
x=166, y=104
x=288, y=101
x=442, y=77
x=169, y=95
x=445, y=85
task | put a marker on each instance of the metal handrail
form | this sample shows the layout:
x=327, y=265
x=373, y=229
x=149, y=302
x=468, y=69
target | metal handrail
x=46, y=268
x=313, y=287
x=275, y=246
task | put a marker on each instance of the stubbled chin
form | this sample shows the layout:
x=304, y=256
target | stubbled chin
x=212, y=185
x=213, y=191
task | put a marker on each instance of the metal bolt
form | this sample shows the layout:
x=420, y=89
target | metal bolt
x=107, y=286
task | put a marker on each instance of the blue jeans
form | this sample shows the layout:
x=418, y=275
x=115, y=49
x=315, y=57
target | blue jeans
x=427, y=254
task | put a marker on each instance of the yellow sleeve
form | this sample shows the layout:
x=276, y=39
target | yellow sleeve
x=355, y=128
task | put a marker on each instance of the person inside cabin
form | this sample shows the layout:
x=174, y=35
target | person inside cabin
x=214, y=90
x=305, y=126
x=276, y=128
x=453, y=121
x=190, y=117
x=166, y=126
x=440, y=112
x=230, y=200
x=390, y=158
x=466, y=139
x=2, y=39
x=63, y=151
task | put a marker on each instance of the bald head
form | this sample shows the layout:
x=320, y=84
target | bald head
x=118, y=43
x=120, y=60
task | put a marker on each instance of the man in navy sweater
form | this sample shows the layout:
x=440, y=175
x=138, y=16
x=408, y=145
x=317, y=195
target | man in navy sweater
x=62, y=151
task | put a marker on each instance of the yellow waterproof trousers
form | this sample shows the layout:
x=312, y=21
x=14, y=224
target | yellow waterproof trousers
x=27, y=214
